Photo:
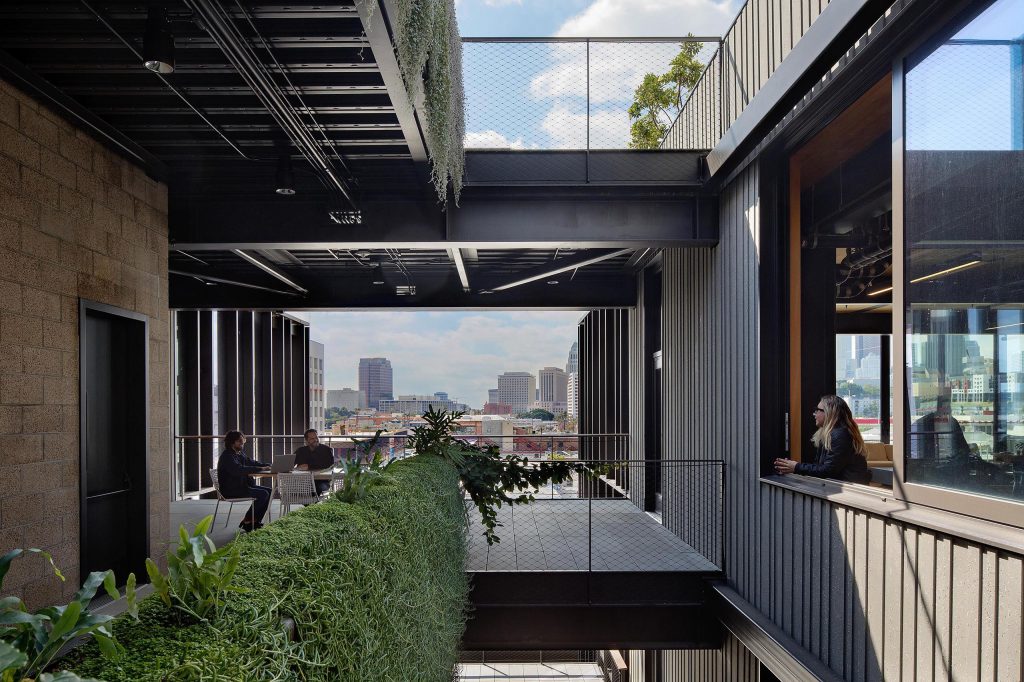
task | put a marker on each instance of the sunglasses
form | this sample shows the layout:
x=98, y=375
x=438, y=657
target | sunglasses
x=817, y=409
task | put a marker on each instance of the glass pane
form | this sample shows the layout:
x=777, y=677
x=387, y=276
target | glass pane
x=859, y=380
x=964, y=274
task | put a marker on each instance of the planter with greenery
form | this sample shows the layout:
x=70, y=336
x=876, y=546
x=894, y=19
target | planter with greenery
x=371, y=591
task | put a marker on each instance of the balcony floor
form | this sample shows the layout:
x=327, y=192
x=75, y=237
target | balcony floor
x=554, y=535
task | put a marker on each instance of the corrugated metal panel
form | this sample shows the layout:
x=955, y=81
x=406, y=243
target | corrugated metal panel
x=763, y=34
x=870, y=597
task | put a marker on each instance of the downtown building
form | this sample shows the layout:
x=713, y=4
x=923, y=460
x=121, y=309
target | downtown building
x=375, y=380
x=350, y=399
x=518, y=390
x=317, y=395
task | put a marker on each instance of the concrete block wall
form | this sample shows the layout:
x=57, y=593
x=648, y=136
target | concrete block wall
x=76, y=221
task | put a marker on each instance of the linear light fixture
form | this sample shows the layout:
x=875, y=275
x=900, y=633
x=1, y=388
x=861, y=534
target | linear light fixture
x=565, y=268
x=880, y=291
x=460, y=265
x=947, y=271
x=209, y=279
x=1004, y=326
x=273, y=272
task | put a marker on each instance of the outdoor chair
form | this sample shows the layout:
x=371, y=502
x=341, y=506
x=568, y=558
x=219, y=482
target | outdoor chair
x=297, y=487
x=230, y=500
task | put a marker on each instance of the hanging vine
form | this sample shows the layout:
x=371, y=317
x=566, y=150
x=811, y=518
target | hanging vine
x=430, y=56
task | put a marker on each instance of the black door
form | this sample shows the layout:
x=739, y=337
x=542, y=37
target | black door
x=114, y=441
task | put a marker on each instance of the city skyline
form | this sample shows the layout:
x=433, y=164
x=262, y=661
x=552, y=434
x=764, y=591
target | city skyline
x=466, y=350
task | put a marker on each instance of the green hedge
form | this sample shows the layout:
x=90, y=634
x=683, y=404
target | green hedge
x=377, y=590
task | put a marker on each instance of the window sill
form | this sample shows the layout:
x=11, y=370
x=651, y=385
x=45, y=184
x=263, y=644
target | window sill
x=883, y=503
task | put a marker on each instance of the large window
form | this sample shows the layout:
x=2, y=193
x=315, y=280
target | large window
x=964, y=263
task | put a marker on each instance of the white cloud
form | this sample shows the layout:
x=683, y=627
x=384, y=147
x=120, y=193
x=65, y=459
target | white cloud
x=461, y=353
x=568, y=129
x=651, y=18
x=491, y=139
x=502, y=3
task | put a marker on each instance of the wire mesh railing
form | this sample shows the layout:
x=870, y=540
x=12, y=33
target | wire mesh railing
x=615, y=516
x=618, y=513
x=570, y=93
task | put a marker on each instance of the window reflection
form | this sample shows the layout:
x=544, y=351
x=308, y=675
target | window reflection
x=964, y=274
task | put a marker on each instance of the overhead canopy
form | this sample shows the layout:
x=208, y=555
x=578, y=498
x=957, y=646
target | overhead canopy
x=308, y=97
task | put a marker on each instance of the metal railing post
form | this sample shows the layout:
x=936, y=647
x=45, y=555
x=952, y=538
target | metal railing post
x=588, y=111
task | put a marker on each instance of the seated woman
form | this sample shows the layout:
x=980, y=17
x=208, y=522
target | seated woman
x=839, y=443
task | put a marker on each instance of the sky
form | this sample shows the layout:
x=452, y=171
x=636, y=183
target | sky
x=462, y=353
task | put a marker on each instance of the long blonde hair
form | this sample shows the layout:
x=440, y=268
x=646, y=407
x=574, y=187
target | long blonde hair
x=837, y=413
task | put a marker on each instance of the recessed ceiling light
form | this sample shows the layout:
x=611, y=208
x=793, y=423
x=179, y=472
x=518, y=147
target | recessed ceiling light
x=552, y=281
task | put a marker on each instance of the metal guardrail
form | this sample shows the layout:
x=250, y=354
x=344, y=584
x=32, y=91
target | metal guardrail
x=561, y=93
x=630, y=515
x=195, y=455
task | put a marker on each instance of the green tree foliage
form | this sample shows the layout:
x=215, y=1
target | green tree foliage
x=332, y=415
x=538, y=413
x=659, y=98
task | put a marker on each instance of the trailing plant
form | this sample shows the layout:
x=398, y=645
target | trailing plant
x=358, y=478
x=30, y=641
x=376, y=591
x=490, y=478
x=198, y=574
x=430, y=57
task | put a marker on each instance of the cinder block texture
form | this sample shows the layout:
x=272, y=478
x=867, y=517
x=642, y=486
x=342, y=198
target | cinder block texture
x=76, y=221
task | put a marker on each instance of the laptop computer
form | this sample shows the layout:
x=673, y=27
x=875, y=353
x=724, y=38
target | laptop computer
x=282, y=464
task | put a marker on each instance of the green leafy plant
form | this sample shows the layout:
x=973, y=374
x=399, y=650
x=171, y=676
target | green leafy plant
x=198, y=574
x=376, y=591
x=30, y=641
x=490, y=478
x=659, y=98
x=359, y=479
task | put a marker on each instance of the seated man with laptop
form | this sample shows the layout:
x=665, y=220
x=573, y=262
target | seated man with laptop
x=235, y=471
x=315, y=456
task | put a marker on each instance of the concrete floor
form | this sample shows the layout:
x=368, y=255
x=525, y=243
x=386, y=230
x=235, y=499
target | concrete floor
x=189, y=512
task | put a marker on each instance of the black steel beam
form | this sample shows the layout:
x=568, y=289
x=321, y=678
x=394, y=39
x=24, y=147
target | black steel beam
x=609, y=218
x=331, y=292
x=590, y=610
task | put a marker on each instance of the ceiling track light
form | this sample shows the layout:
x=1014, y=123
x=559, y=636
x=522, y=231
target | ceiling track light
x=158, y=43
x=378, y=274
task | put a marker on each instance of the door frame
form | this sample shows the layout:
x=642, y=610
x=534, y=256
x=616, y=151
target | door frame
x=86, y=306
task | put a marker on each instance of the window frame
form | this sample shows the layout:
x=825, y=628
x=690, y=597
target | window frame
x=1000, y=510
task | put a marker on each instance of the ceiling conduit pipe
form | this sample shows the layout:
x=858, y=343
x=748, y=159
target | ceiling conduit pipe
x=221, y=28
x=103, y=19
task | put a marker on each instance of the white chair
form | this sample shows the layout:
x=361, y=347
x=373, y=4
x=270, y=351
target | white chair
x=297, y=487
x=229, y=500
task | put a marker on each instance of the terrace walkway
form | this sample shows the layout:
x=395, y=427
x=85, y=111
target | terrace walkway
x=556, y=535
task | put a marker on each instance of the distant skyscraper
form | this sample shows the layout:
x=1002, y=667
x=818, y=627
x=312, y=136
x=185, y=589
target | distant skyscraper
x=346, y=398
x=573, y=366
x=375, y=379
x=554, y=385
x=316, y=385
x=573, y=400
x=492, y=395
x=517, y=389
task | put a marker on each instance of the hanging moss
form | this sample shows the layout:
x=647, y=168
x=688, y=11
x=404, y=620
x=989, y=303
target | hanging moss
x=430, y=56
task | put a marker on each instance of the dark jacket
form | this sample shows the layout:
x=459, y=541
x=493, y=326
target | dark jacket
x=320, y=457
x=840, y=461
x=233, y=469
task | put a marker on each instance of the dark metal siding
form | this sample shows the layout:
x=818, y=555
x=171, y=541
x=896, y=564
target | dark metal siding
x=871, y=597
x=764, y=32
